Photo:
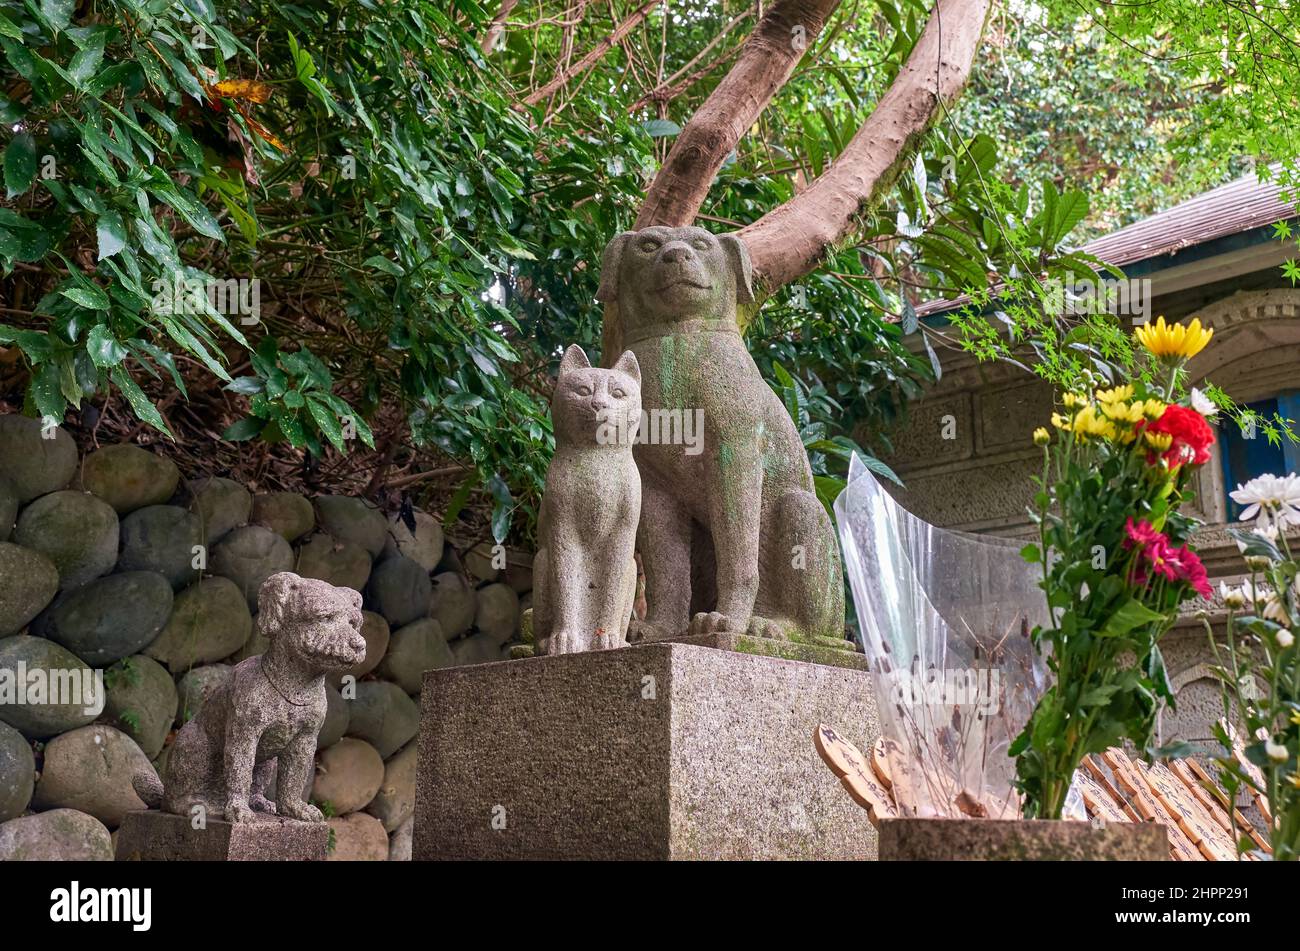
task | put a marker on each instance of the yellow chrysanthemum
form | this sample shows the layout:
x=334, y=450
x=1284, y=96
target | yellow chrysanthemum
x=1153, y=409
x=1041, y=436
x=1117, y=395
x=1158, y=441
x=1124, y=412
x=1174, y=340
x=1060, y=422
x=1088, y=423
x=1071, y=400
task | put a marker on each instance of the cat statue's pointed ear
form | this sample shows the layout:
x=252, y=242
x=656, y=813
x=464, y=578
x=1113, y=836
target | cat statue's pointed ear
x=574, y=359
x=627, y=364
x=738, y=256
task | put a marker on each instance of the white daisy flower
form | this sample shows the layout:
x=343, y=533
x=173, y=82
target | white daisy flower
x=1273, y=501
x=1276, y=752
x=1232, y=597
x=1285, y=638
x=1202, y=404
x=1255, y=595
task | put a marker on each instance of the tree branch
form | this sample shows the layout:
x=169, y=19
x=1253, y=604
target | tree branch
x=789, y=241
x=593, y=56
x=498, y=26
x=766, y=62
x=665, y=89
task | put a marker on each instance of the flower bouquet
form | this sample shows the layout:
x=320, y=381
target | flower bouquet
x=1259, y=666
x=1115, y=561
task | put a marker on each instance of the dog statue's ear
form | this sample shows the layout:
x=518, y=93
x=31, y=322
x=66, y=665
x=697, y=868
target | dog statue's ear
x=271, y=598
x=627, y=364
x=575, y=358
x=609, y=262
x=738, y=255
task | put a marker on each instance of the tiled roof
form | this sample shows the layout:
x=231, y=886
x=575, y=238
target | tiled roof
x=1229, y=209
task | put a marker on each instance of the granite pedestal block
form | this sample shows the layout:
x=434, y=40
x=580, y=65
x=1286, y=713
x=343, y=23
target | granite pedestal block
x=1016, y=840
x=162, y=837
x=825, y=651
x=661, y=751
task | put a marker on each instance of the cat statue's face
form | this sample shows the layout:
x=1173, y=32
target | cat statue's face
x=594, y=406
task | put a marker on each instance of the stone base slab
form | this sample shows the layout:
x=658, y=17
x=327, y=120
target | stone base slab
x=787, y=650
x=658, y=751
x=162, y=837
x=1032, y=840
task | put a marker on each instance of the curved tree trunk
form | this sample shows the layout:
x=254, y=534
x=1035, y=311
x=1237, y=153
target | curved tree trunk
x=766, y=62
x=792, y=240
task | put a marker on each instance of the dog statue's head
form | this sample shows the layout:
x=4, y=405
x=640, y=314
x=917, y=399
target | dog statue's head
x=661, y=275
x=313, y=621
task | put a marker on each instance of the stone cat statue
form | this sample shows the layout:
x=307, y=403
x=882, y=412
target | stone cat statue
x=584, y=570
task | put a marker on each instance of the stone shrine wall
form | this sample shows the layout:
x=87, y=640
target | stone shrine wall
x=114, y=562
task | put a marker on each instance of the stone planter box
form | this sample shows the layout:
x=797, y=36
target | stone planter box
x=1011, y=840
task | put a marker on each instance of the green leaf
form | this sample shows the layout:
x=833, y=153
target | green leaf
x=198, y=216
x=1131, y=614
x=111, y=233
x=244, y=430
x=104, y=348
x=384, y=264
x=8, y=29
x=880, y=468
x=20, y=164
x=140, y=403
x=327, y=423
x=246, y=385
x=87, y=295
x=58, y=13
x=659, y=128
x=85, y=63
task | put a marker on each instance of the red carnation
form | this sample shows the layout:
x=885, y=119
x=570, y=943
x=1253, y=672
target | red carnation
x=1191, y=436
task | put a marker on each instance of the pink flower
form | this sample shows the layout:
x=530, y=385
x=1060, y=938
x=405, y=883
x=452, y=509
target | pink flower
x=1162, y=558
x=1154, y=548
x=1188, y=567
x=1140, y=534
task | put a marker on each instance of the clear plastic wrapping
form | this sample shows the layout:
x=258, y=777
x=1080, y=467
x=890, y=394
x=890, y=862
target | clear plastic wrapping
x=945, y=618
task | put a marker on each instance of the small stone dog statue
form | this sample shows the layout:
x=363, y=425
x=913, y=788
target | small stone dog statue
x=263, y=722
x=747, y=493
x=584, y=567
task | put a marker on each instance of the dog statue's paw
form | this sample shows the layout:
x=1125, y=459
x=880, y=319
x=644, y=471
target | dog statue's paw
x=713, y=622
x=643, y=632
x=261, y=804
x=303, y=811
x=564, y=642
x=239, y=811
x=765, y=627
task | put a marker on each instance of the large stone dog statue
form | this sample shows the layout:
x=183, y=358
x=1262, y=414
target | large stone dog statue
x=262, y=723
x=747, y=483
